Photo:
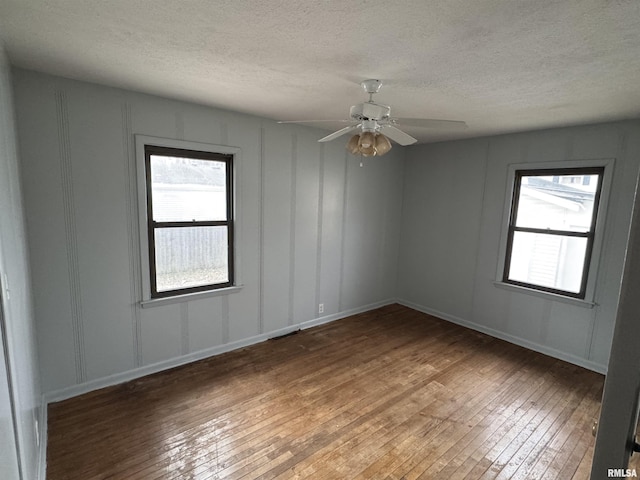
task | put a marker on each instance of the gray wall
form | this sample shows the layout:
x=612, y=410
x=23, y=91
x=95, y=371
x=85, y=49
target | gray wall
x=313, y=228
x=454, y=195
x=18, y=318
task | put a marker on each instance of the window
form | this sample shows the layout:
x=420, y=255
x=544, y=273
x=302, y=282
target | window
x=189, y=216
x=552, y=227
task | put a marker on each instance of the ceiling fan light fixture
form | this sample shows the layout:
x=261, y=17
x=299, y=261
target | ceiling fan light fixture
x=352, y=145
x=368, y=151
x=367, y=140
x=370, y=117
x=383, y=145
x=368, y=144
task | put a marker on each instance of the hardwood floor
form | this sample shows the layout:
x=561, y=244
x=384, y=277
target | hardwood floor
x=388, y=394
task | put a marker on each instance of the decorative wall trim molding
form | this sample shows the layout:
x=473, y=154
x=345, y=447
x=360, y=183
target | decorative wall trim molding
x=319, y=234
x=224, y=308
x=68, y=202
x=224, y=140
x=133, y=230
x=343, y=235
x=261, y=159
x=536, y=347
x=184, y=328
x=75, y=390
x=292, y=226
x=482, y=220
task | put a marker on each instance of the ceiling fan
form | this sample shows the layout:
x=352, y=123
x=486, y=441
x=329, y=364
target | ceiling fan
x=372, y=119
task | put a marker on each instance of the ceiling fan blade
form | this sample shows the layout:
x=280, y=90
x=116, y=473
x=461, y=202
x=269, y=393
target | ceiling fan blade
x=315, y=121
x=430, y=123
x=398, y=135
x=339, y=133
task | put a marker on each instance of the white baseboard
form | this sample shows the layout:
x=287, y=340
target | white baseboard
x=115, y=379
x=536, y=347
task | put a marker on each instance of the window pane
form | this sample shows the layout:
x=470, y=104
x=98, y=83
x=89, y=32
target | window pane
x=191, y=257
x=186, y=189
x=559, y=202
x=553, y=261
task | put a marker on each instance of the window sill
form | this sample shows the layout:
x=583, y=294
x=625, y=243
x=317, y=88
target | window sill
x=546, y=295
x=158, y=302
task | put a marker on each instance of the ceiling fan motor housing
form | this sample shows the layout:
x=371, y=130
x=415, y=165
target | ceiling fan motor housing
x=370, y=111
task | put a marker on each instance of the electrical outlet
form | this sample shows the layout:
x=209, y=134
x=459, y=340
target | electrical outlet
x=321, y=308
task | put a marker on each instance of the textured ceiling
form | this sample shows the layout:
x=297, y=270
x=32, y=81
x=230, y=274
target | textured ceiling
x=499, y=65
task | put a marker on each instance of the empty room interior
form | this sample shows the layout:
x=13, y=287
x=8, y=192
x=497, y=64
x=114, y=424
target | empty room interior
x=330, y=240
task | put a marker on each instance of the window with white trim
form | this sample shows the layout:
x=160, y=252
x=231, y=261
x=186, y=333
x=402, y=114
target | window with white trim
x=189, y=220
x=552, y=229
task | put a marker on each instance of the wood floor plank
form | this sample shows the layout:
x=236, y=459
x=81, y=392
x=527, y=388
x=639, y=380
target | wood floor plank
x=387, y=394
x=460, y=423
x=511, y=386
x=335, y=450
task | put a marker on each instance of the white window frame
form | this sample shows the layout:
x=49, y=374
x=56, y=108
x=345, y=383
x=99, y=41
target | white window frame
x=592, y=274
x=141, y=142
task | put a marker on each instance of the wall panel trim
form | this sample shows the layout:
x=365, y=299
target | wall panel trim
x=261, y=284
x=184, y=328
x=343, y=233
x=292, y=226
x=71, y=234
x=319, y=234
x=224, y=306
x=133, y=232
